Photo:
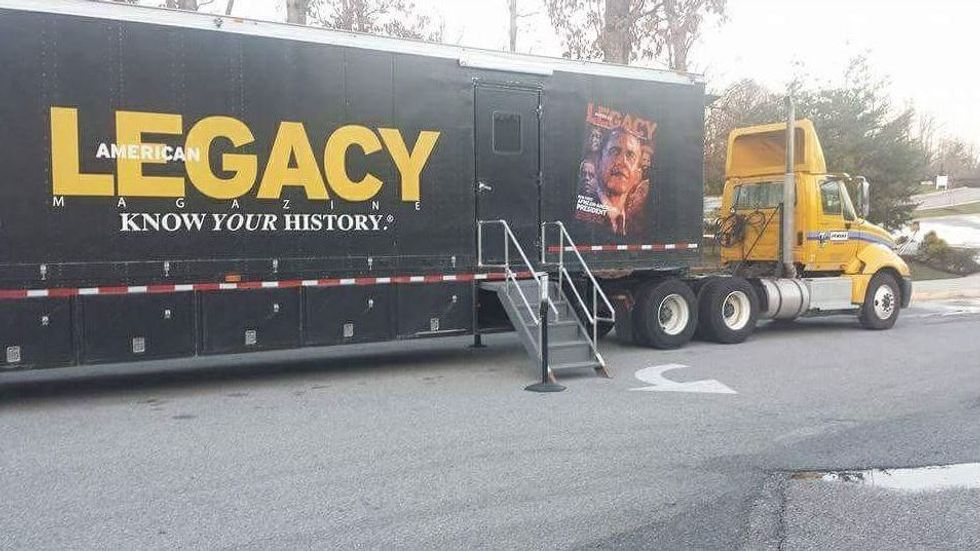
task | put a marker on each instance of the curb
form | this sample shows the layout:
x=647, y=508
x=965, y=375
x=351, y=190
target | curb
x=925, y=296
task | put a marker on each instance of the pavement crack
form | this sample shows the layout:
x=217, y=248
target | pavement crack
x=781, y=511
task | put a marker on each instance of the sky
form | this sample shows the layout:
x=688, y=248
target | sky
x=921, y=47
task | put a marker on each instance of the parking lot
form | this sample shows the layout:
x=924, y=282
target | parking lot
x=431, y=444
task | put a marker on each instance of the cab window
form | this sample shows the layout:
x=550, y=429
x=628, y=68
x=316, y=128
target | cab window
x=830, y=200
x=849, y=212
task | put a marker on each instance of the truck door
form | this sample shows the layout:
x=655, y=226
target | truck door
x=835, y=244
x=507, y=168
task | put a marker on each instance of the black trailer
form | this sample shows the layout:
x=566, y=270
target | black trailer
x=176, y=184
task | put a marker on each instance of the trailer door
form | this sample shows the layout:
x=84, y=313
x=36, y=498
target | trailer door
x=507, y=168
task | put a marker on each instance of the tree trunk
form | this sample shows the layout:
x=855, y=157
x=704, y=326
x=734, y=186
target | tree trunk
x=513, y=25
x=615, y=42
x=189, y=5
x=296, y=11
x=678, y=42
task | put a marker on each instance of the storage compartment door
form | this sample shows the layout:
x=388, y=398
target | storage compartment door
x=119, y=328
x=434, y=309
x=248, y=320
x=35, y=332
x=347, y=314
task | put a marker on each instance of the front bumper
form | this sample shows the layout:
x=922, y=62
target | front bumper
x=906, y=291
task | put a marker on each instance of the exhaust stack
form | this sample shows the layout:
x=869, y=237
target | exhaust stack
x=789, y=191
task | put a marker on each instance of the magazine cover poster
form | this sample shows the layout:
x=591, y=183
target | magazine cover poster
x=614, y=172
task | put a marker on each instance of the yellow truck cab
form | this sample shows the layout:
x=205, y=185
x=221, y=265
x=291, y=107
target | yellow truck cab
x=839, y=261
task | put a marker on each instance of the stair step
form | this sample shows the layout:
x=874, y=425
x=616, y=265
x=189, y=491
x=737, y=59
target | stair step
x=569, y=344
x=575, y=365
x=570, y=352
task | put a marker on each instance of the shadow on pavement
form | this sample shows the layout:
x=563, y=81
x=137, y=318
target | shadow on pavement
x=203, y=372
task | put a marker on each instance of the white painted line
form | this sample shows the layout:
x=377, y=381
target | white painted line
x=37, y=293
x=227, y=286
x=348, y=281
x=310, y=282
x=654, y=376
x=184, y=287
x=270, y=284
x=89, y=291
x=137, y=289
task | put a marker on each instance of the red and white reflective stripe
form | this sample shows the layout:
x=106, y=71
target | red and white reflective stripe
x=225, y=286
x=647, y=247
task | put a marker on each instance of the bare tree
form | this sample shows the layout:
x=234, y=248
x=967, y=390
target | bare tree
x=622, y=31
x=957, y=158
x=515, y=18
x=679, y=27
x=398, y=18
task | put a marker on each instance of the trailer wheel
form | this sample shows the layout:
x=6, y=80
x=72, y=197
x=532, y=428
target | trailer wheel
x=881, y=302
x=665, y=315
x=728, y=310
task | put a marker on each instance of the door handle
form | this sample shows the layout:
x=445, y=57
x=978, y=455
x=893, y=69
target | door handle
x=483, y=186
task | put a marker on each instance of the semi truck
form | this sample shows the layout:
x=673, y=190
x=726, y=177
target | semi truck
x=181, y=184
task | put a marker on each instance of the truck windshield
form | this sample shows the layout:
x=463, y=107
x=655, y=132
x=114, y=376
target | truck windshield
x=759, y=195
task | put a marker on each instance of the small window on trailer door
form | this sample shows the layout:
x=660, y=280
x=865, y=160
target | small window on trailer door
x=506, y=133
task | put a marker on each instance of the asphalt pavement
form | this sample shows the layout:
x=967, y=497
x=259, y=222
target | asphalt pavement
x=432, y=445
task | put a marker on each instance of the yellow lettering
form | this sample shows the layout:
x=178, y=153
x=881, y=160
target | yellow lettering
x=410, y=165
x=130, y=127
x=291, y=141
x=66, y=176
x=244, y=167
x=335, y=162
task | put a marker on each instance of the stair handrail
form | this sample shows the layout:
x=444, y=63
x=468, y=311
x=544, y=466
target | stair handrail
x=510, y=276
x=597, y=293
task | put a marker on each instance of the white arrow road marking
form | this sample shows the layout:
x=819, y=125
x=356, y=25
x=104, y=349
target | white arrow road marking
x=654, y=376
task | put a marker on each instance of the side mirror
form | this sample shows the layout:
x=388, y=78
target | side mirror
x=864, y=196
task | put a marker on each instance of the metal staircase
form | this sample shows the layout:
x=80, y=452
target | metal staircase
x=571, y=344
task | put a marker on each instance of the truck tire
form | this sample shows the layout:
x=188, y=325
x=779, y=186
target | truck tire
x=728, y=310
x=882, y=301
x=665, y=314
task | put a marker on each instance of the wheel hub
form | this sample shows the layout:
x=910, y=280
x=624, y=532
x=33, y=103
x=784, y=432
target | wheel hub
x=673, y=314
x=736, y=310
x=884, y=302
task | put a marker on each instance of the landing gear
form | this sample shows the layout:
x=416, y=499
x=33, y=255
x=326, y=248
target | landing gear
x=882, y=302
